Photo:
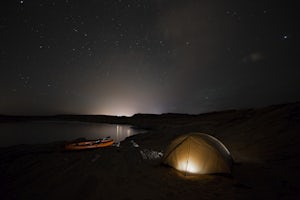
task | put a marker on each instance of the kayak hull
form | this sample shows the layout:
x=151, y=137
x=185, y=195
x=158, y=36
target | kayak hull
x=88, y=145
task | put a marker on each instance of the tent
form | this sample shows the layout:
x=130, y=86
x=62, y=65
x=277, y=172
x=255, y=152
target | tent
x=198, y=153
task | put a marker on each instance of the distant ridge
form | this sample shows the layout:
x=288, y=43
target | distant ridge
x=142, y=117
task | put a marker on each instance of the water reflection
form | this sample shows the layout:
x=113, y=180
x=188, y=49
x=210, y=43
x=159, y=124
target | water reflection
x=128, y=132
x=44, y=132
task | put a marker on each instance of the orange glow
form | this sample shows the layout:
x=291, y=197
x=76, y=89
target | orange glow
x=188, y=166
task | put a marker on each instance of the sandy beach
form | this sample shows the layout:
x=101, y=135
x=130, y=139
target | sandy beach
x=264, y=143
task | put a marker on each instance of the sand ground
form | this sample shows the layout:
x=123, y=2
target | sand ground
x=264, y=144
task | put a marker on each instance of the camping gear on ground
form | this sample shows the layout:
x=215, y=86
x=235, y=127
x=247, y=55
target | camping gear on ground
x=134, y=143
x=198, y=153
x=150, y=154
x=91, y=144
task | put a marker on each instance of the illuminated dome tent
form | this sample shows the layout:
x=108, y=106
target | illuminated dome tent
x=198, y=153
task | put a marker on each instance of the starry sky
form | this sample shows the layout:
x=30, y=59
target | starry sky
x=120, y=57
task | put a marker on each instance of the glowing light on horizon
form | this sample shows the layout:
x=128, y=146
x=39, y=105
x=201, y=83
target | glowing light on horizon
x=124, y=110
x=115, y=111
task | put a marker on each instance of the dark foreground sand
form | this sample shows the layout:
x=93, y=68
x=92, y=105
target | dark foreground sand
x=264, y=142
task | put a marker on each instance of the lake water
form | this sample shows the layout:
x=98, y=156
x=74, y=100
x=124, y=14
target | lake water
x=40, y=132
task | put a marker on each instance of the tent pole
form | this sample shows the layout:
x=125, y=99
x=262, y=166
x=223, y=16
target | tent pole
x=187, y=160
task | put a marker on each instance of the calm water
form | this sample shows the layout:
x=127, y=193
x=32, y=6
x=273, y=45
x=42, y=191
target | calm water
x=40, y=132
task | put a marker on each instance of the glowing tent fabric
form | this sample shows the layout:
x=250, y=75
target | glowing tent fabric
x=198, y=153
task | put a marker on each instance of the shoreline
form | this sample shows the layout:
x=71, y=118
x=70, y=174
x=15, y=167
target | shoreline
x=263, y=143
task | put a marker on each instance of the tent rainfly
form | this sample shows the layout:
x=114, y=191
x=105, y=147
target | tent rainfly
x=198, y=153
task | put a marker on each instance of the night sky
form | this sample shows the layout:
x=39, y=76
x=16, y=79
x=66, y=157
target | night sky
x=121, y=57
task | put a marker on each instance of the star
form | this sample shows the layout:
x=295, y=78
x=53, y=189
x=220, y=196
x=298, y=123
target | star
x=199, y=46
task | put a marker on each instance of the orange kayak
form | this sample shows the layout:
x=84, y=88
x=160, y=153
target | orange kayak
x=89, y=144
